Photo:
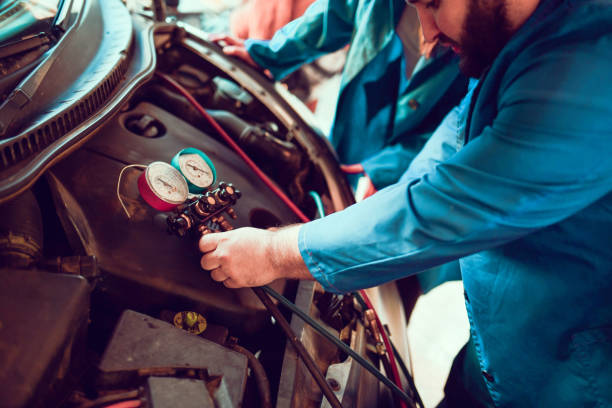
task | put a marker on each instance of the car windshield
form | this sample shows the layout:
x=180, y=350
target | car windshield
x=19, y=18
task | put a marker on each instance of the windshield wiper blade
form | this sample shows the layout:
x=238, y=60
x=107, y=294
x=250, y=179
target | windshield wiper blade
x=27, y=43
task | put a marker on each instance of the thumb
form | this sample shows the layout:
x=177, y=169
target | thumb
x=208, y=242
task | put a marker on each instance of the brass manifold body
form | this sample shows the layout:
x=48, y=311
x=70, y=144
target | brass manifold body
x=206, y=213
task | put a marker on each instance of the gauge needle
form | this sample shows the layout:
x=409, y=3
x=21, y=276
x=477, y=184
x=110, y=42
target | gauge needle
x=196, y=168
x=170, y=186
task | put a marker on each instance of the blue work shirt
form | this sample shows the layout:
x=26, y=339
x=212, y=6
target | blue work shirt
x=526, y=205
x=382, y=119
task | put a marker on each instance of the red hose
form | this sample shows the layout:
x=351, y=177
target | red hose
x=358, y=169
x=354, y=169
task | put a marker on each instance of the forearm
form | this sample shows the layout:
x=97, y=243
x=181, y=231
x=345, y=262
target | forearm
x=285, y=254
x=325, y=27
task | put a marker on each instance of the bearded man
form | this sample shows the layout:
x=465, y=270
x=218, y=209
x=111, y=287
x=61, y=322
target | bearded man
x=525, y=204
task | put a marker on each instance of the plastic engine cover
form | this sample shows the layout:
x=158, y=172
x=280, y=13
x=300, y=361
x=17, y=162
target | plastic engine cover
x=140, y=341
x=34, y=306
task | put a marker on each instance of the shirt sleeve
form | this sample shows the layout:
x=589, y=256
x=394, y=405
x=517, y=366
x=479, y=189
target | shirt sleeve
x=544, y=157
x=326, y=26
x=387, y=166
x=445, y=140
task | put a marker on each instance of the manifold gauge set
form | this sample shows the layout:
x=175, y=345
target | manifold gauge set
x=185, y=187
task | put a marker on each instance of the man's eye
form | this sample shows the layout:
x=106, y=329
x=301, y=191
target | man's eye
x=434, y=4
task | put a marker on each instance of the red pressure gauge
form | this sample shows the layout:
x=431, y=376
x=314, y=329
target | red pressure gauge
x=162, y=186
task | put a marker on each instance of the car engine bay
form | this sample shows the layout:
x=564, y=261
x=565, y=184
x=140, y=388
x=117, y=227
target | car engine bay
x=102, y=297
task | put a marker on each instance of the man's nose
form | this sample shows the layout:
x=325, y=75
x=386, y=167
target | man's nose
x=428, y=25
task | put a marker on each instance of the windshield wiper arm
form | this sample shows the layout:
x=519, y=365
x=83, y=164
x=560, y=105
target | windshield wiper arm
x=27, y=43
x=62, y=17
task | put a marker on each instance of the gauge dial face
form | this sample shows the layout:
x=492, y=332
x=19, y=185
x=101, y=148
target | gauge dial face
x=167, y=183
x=196, y=170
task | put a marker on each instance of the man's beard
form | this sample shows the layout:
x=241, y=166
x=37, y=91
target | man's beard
x=486, y=31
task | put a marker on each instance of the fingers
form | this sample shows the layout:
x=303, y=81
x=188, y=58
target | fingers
x=208, y=262
x=235, y=51
x=216, y=37
x=208, y=243
x=239, y=51
x=234, y=47
x=211, y=261
x=218, y=275
x=239, y=258
x=225, y=39
x=229, y=283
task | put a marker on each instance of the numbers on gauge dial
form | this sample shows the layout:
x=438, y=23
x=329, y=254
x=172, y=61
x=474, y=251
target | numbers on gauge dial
x=167, y=183
x=196, y=170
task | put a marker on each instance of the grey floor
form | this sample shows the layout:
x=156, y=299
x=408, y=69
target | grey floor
x=437, y=330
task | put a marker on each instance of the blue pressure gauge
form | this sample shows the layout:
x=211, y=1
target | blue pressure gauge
x=197, y=169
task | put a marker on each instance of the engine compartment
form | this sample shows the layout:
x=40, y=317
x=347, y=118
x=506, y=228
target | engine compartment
x=137, y=283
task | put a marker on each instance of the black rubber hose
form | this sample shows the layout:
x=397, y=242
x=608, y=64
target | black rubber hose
x=299, y=348
x=408, y=376
x=263, y=384
x=366, y=364
x=258, y=142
